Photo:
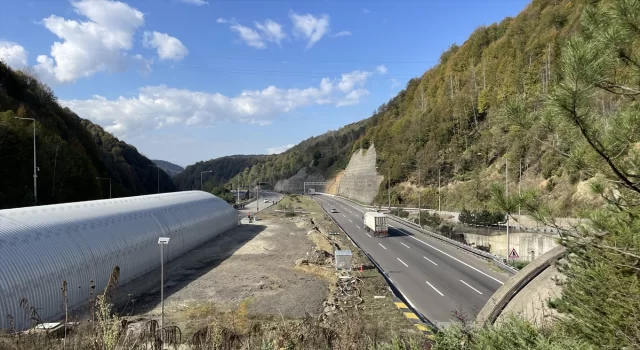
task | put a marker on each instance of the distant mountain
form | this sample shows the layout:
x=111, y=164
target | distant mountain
x=170, y=168
x=71, y=152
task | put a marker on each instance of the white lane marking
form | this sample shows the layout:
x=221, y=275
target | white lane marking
x=358, y=227
x=402, y=262
x=431, y=261
x=350, y=220
x=379, y=243
x=454, y=258
x=404, y=245
x=343, y=216
x=467, y=284
x=370, y=236
x=434, y=288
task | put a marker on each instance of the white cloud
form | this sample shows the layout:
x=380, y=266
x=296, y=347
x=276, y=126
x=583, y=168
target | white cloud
x=169, y=48
x=92, y=46
x=272, y=31
x=249, y=36
x=350, y=80
x=382, y=69
x=160, y=106
x=280, y=149
x=394, y=83
x=267, y=31
x=14, y=55
x=352, y=98
x=195, y=2
x=366, y=11
x=309, y=27
x=342, y=33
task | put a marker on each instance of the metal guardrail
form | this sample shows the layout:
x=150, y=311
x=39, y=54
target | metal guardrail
x=496, y=260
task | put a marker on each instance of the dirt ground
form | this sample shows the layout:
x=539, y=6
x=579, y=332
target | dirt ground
x=255, y=272
x=252, y=265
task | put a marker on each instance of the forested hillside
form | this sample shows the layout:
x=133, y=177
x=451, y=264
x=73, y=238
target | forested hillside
x=168, y=167
x=71, y=152
x=459, y=117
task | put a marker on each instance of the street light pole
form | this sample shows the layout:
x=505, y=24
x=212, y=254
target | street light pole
x=202, y=172
x=439, y=208
x=35, y=168
x=162, y=241
x=158, y=176
x=106, y=178
x=419, y=198
x=506, y=189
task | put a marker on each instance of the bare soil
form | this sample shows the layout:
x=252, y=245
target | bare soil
x=251, y=266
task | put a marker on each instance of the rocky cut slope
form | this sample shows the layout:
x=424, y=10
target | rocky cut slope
x=71, y=152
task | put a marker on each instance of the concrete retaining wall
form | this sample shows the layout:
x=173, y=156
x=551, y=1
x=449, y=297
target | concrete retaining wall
x=529, y=245
x=360, y=180
x=296, y=182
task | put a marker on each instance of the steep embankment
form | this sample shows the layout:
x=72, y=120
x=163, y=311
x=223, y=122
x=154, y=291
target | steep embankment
x=71, y=152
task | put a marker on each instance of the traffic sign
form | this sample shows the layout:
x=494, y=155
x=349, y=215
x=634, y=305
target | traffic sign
x=513, y=254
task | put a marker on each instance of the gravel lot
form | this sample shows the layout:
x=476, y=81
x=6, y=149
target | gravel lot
x=252, y=264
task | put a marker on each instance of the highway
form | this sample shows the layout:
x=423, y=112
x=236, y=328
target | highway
x=436, y=278
x=251, y=207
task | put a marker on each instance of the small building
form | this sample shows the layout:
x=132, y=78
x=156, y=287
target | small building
x=343, y=259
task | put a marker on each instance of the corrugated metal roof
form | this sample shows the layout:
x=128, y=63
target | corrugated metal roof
x=40, y=247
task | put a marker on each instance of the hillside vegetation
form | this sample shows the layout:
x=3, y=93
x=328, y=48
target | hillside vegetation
x=71, y=152
x=459, y=117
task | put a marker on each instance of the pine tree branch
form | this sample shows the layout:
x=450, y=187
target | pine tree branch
x=613, y=88
x=596, y=146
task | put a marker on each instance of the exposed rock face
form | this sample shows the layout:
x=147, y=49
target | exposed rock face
x=361, y=181
x=296, y=182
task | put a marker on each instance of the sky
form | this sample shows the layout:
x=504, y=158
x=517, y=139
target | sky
x=192, y=80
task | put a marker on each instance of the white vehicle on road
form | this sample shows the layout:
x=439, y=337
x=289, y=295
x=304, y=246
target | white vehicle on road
x=266, y=201
x=376, y=223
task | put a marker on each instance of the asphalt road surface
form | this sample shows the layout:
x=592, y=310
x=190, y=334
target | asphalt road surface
x=250, y=208
x=436, y=278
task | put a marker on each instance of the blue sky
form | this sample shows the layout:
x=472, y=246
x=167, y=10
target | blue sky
x=191, y=80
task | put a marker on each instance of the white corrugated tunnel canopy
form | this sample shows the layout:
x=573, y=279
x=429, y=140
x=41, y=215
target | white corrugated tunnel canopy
x=40, y=247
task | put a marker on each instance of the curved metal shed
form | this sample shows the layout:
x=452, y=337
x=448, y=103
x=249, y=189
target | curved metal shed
x=40, y=247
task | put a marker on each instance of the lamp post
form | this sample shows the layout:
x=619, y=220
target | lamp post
x=506, y=194
x=162, y=241
x=106, y=178
x=35, y=168
x=158, y=176
x=202, y=172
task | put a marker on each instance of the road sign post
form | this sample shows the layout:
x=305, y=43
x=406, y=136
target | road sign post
x=513, y=254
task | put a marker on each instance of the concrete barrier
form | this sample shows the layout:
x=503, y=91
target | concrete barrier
x=499, y=300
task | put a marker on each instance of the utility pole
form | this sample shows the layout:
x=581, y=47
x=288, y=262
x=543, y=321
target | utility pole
x=257, y=196
x=506, y=186
x=158, y=176
x=419, y=198
x=106, y=178
x=439, y=166
x=202, y=172
x=238, y=191
x=35, y=168
x=519, y=179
